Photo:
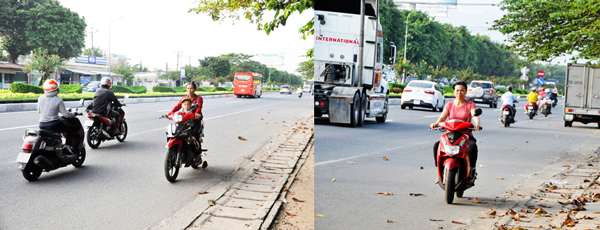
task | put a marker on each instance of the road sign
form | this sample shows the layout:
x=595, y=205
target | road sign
x=540, y=81
x=541, y=73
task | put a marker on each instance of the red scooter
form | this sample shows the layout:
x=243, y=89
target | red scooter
x=453, y=158
x=182, y=146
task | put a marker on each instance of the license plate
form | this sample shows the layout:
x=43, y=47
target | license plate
x=478, y=99
x=417, y=102
x=88, y=123
x=243, y=90
x=506, y=113
x=23, y=157
x=530, y=107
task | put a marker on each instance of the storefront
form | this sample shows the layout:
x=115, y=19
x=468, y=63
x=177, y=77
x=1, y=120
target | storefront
x=11, y=73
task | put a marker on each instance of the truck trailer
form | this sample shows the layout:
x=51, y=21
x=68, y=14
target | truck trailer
x=348, y=57
x=582, y=95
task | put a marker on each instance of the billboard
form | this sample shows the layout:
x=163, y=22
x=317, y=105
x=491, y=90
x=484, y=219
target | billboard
x=277, y=59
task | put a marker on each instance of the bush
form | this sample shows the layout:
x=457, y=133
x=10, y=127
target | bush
x=138, y=89
x=502, y=90
x=18, y=87
x=228, y=88
x=208, y=89
x=120, y=89
x=162, y=89
x=180, y=89
x=71, y=88
x=447, y=89
x=396, y=88
x=220, y=89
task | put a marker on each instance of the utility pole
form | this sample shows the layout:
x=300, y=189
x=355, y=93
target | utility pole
x=177, y=60
x=93, y=53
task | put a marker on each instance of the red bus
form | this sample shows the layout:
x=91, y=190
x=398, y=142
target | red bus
x=247, y=84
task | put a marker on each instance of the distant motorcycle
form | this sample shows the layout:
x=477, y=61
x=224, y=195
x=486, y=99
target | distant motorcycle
x=299, y=94
x=531, y=110
x=508, y=117
x=182, y=146
x=99, y=128
x=43, y=150
x=546, y=106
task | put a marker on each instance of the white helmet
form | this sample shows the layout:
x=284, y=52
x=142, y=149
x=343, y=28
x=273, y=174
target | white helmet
x=547, y=90
x=106, y=81
x=533, y=89
x=50, y=85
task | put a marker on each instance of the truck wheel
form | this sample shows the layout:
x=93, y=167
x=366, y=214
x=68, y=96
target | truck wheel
x=363, y=108
x=355, y=110
x=403, y=106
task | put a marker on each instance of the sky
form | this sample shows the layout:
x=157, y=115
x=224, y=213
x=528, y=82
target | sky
x=152, y=32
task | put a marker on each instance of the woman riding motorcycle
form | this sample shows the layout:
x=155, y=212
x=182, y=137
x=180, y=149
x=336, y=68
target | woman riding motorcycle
x=49, y=106
x=196, y=99
x=464, y=110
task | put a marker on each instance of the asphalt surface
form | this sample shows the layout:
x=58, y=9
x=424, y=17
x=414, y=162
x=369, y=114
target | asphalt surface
x=122, y=185
x=350, y=169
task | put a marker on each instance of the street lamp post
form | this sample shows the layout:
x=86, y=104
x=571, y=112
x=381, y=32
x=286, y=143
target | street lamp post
x=405, y=41
x=109, y=56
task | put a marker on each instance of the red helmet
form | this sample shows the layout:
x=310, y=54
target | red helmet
x=50, y=85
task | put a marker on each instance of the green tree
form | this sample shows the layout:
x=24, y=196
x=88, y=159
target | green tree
x=307, y=69
x=97, y=52
x=45, y=24
x=544, y=30
x=126, y=72
x=393, y=31
x=254, y=10
x=196, y=73
x=242, y=63
x=218, y=66
x=44, y=63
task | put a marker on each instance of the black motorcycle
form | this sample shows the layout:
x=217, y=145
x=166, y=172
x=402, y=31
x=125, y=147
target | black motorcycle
x=182, y=146
x=99, y=128
x=545, y=107
x=43, y=150
x=508, y=117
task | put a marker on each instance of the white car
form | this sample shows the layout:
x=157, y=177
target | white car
x=420, y=93
x=285, y=89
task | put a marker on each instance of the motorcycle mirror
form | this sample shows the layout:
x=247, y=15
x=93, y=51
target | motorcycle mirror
x=194, y=106
x=126, y=96
x=478, y=112
x=81, y=102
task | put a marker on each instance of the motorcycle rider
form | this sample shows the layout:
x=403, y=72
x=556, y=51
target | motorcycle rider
x=532, y=99
x=104, y=99
x=509, y=99
x=299, y=91
x=196, y=99
x=49, y=106
x=549, y=96
x=460, y=109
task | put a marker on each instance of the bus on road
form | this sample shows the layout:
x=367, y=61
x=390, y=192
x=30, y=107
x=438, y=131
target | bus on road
x=247, y=84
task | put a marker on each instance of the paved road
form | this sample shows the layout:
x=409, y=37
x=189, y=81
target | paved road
x=515, y=159
x=122, y=185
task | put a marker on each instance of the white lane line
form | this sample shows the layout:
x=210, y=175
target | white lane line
x=433, y=116
x=33, y=111
x=210, y=118
x=20, y=127
x=363, y=155
x=231, y=102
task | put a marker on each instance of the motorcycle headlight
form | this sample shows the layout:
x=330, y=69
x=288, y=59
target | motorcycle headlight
x=179, y=118
x=452, y=149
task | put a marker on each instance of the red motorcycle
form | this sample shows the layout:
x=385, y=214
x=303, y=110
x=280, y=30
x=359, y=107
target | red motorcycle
x=182, y=146
x=100, y=128
x=453, y=158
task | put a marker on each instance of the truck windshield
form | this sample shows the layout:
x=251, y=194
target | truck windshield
x=243, y=77
x=344, y=6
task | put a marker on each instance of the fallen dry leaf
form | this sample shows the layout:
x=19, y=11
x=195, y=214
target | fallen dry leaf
x=421, y=167
x=267, y=168
x=511, y=212
x=201, y=193
x=296, y=178
x=241, y=138
x=244, y=156
x=317, y=215
x=517, y=217
x=492, y=212
x=385, y=158
x=350, y=162
x=500, y=178
x=540, y=211
x=456, y=222
x=482, y=166
x=240, y=207
x=385, y=193
x=435, y=220
x=569, y=223
x=524, y=211
x=294, y=199
x=289, y=214
x=288, y=191
x=586, y=217
x=333, y=180
x=211, y=202
x=586, y=180
x=417, y=194
x=390, y=221
x=568, y=166
x=553, y=187
x=476, y=200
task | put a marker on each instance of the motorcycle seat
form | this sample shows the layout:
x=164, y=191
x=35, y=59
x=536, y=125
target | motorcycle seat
x=48, y=133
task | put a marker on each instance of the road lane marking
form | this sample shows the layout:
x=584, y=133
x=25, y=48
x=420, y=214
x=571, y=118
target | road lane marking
x=363, y=155
x=210, y=118
x=338, y=160
x=20, y=127
x=231, y=102
x=433, y=116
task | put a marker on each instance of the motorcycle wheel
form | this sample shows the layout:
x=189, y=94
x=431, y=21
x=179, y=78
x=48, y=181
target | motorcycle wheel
x=93, y=136
x=32, y=172
x=505, y=121
x=80, y=158
x=530, y=116
x=196, y=163
x=450, y=177
x=121, y=137
x=171, y=164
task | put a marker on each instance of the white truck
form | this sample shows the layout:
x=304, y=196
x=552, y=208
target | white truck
x=582, y=95
x=348, y=56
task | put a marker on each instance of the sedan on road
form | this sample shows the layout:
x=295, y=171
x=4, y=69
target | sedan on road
x=422, y=93
x=285, y=89
x=92, y=86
